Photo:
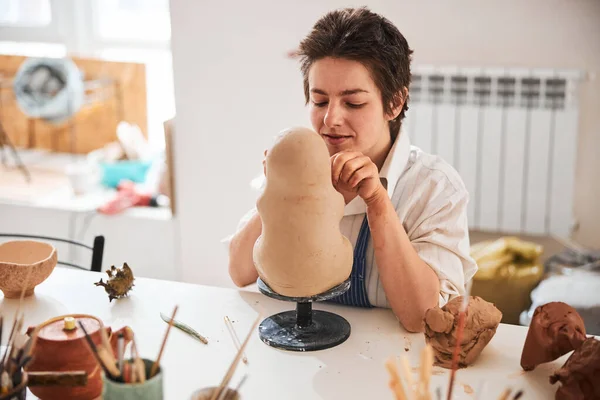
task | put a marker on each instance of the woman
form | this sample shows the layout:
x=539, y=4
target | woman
x=406, y=211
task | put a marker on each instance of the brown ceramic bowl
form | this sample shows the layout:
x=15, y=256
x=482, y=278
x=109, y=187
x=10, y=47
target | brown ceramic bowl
x=17, y=259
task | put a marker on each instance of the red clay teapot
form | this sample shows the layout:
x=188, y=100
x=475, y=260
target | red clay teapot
x=59, y=344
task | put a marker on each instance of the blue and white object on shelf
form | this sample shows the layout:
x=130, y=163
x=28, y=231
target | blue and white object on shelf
x=49, y=88
x=116, y=171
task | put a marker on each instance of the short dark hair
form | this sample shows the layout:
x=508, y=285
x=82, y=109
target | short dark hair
x=359, y=34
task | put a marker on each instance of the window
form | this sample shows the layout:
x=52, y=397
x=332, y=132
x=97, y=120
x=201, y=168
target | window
x=25, y=13
x=32, y=49
x=118, y=30
x=159, y=86
x=134, y=20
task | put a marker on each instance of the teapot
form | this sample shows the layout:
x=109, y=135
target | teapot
x=59, y=344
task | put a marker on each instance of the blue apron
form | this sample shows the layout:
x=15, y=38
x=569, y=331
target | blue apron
x=357, y=294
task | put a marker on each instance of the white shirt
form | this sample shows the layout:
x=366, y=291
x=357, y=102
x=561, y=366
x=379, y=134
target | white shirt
x=431, y=200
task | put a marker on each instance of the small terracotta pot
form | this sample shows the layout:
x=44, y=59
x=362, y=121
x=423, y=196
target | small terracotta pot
x=25, y=264
x=58, y=349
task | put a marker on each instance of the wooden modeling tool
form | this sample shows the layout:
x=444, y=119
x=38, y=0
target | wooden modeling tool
x=425, y=371
x=184, y=328
x=162, y=347
x=459, y=334
x=504, y=395
x=111, y=371
x=235, y=361
x=395, y=380
x=404, y=374
x=234, y=337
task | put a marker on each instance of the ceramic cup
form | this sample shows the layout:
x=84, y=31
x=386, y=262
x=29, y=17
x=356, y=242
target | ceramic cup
x=151, y=389
x=207, y=394
x=83, y=177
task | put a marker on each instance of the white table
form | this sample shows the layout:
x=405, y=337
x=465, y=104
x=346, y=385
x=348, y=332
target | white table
x=352, y=370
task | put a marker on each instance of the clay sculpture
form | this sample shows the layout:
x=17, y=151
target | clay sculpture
x=579, y=375
x=301, y=251
x=119, y=283
x=555, y=329
x=481, y=320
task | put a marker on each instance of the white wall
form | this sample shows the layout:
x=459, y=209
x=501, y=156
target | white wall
x=235, y=89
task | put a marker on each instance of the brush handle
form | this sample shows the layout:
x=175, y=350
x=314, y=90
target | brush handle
x=459, y=333
x=71, y=378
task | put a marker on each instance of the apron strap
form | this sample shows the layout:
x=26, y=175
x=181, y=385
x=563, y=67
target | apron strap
x=357, y=294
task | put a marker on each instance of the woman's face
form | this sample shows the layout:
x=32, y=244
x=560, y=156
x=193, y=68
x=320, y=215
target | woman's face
x=346, y=109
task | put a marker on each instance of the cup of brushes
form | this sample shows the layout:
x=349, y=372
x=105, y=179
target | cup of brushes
x=129, y=378
x=133, y=378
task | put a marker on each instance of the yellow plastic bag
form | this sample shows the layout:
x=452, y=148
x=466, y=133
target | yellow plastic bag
x=509, y=269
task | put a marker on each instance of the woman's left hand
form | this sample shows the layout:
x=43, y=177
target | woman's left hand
x=353, y=172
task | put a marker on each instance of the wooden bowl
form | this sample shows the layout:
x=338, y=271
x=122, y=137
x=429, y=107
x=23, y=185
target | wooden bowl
x=21, y=258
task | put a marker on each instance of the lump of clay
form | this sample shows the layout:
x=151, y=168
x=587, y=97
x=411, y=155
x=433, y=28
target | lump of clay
x=579, y=376
x=441, y=325
x=301, y=251
x=555, y=329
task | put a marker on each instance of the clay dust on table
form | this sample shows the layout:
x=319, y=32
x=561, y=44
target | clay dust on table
x=407, y=344
x=467, y=388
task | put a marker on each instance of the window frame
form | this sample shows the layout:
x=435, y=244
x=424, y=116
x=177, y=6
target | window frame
x=74, y=25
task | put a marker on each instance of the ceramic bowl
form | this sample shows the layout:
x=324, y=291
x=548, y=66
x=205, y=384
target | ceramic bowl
x=17, y=259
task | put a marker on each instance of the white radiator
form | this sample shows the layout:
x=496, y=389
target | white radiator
x=512, y=136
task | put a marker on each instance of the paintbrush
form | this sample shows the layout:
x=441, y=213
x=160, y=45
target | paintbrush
x=162, y=347
x=235, y=361
x=504, y=395
x=8, y=344
x=425, y=373
x=13, y=348
x=226, y=394
x=6, y=362
x=236, y=340
x=410, y=383
x=120, y=343
x=395, y=380
x=108, y=350
x=138, y=364
x=239, y=385
x=95, y=352
x=459, y=334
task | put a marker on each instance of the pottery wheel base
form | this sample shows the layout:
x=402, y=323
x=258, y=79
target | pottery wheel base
x=304, y=329
x=282, y=331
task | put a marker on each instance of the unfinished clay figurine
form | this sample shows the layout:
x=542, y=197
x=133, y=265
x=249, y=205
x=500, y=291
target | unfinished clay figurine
x=120, y=282
x=301, y=251
x=579, y=375
x=555, y=329
x=481, y=320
